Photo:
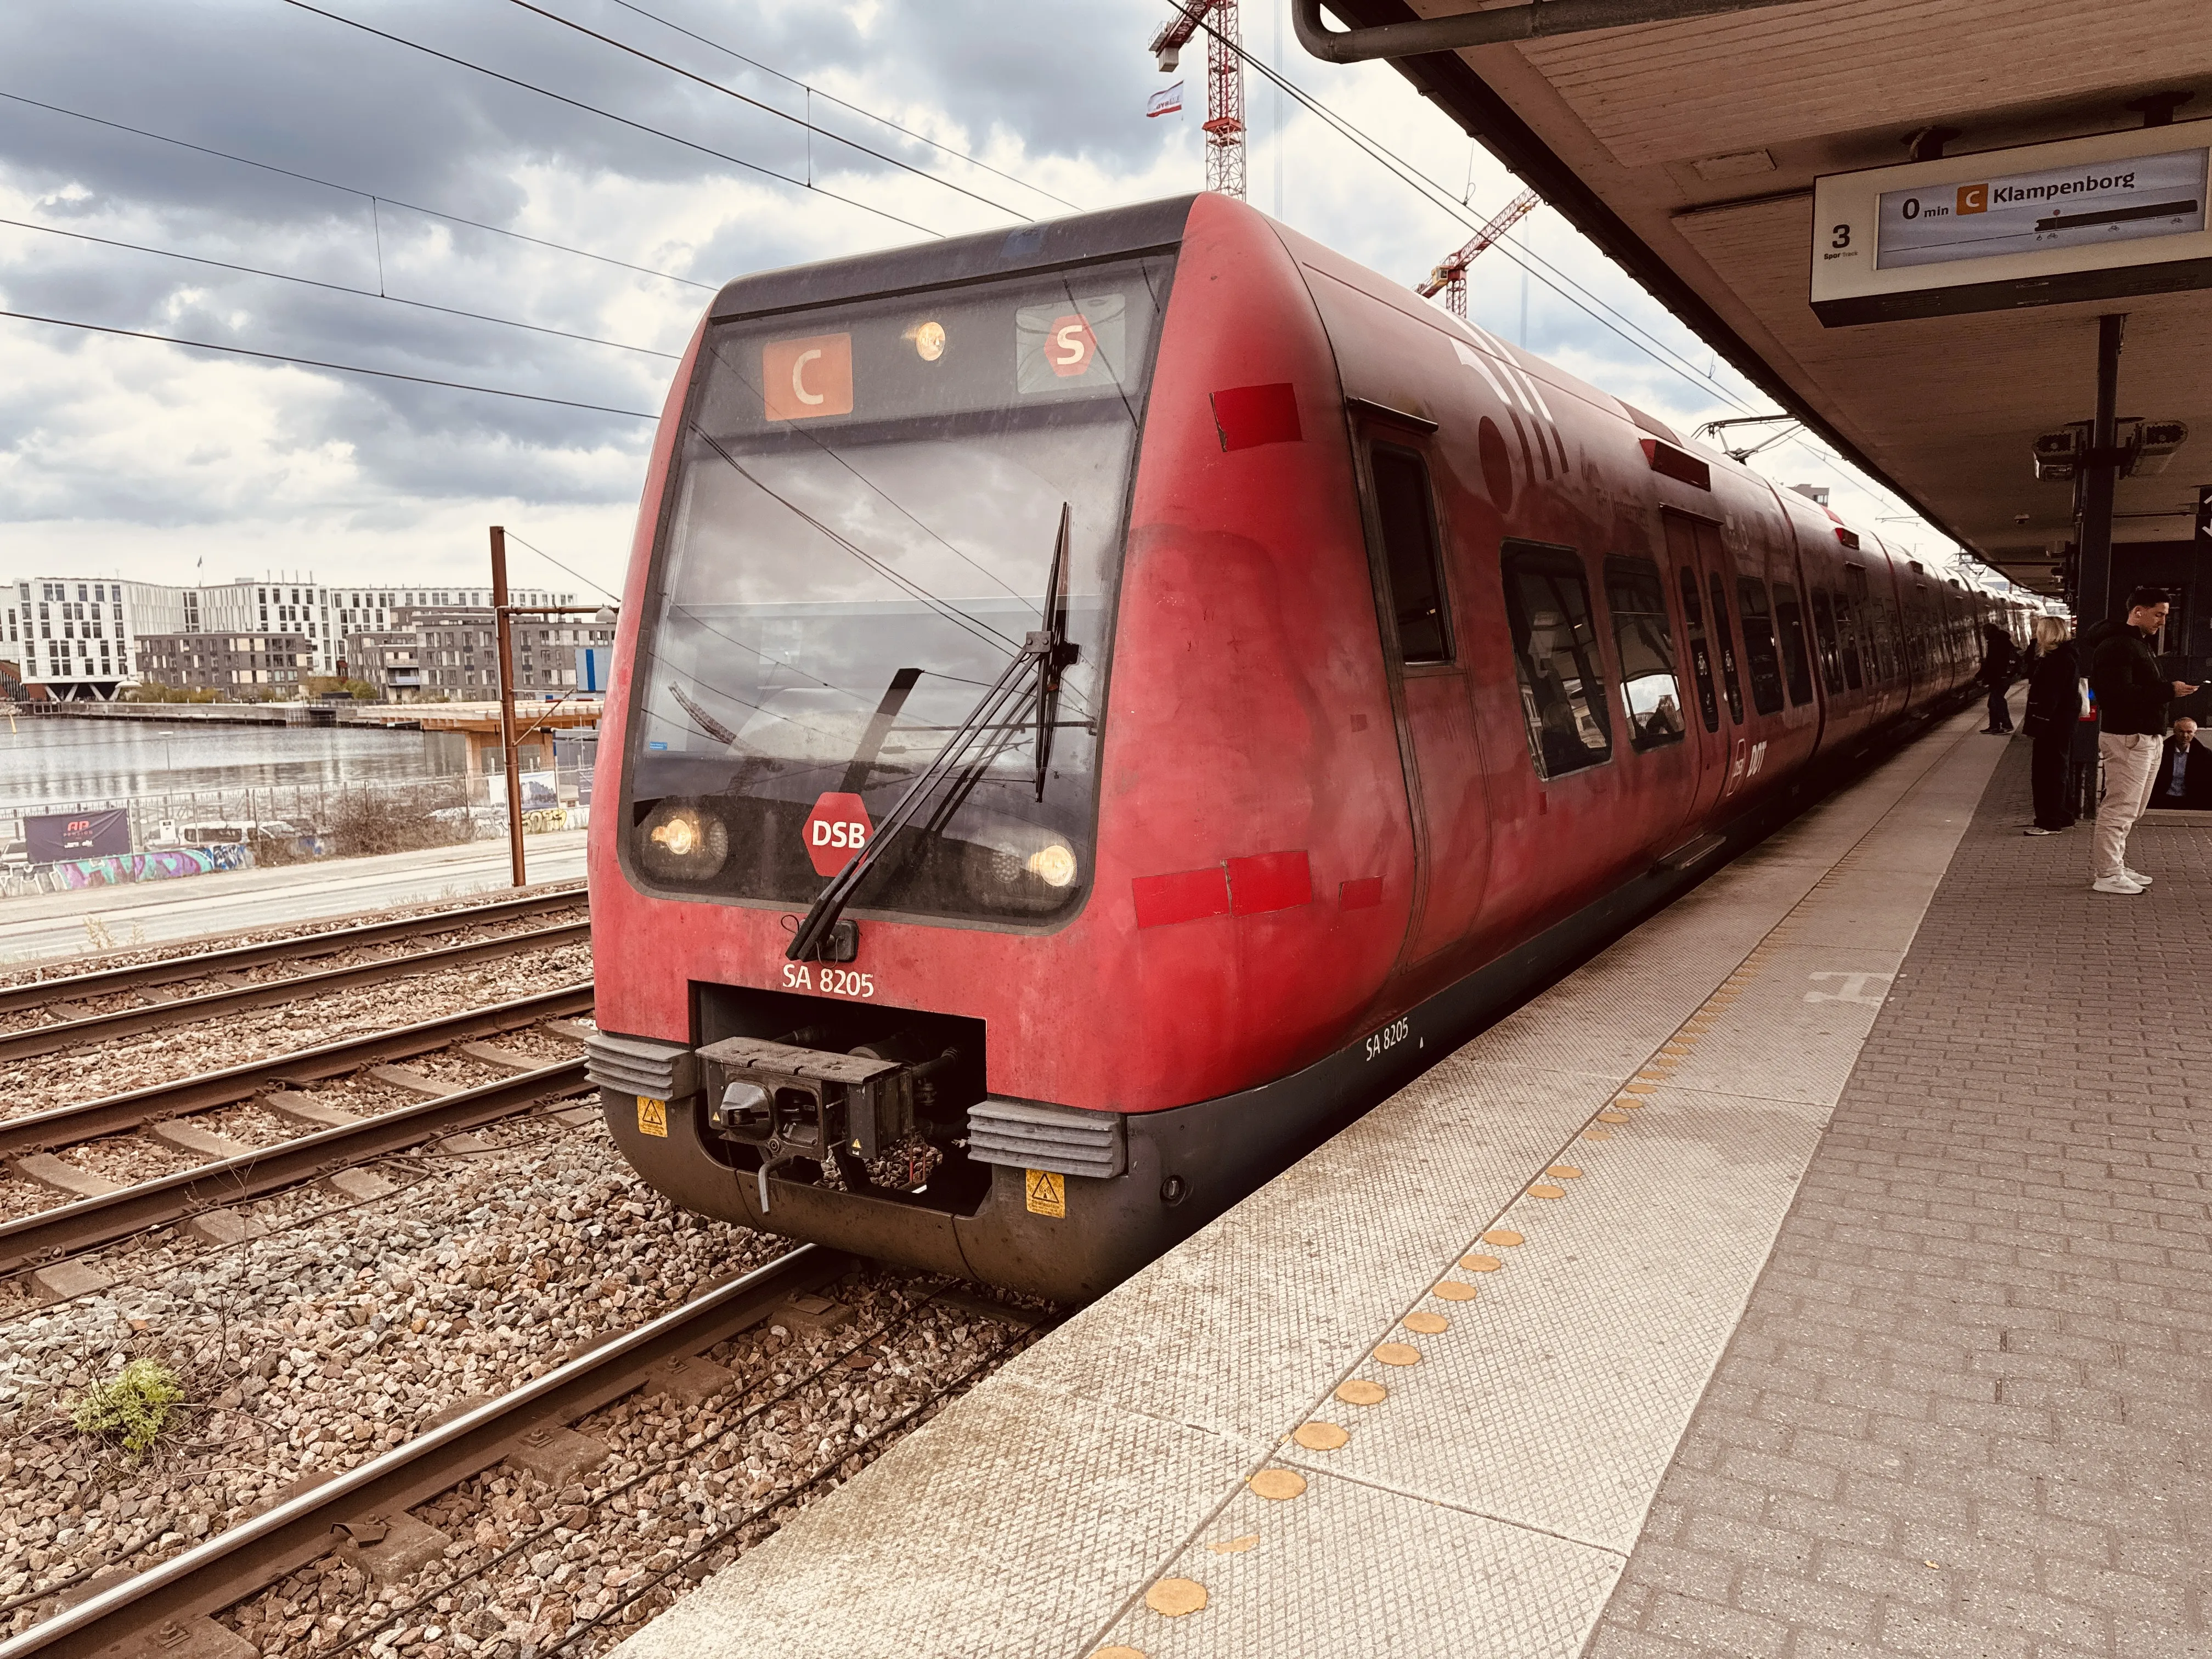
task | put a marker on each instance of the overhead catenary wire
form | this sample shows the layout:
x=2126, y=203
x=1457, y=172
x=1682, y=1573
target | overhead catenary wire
x=608, y=114
x=770, y=109
x=316, y=363
x=373, y=197
x=338, y=288
x=1558, y=281
x=815, y=92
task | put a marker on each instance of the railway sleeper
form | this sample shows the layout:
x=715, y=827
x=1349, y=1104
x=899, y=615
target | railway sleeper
x=166, y=1610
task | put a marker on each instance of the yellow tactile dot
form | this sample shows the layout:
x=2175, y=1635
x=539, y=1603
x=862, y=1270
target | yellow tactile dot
x=1505, y=1237
x=1359, y=1391
x=1452, y=1290
x=1636, y=1088
x=1122, y=1653
x=1279, y=1484
x=1171, y=1598
x=1546, y=1189
x=1481, y=1264
x=1608, y=1117
x=1319, y=1436
x=1598, y=1134
x=1629, y=1104
x=1564, y=1171
x=1231, y=1546
x=1428, y=1324
x=1397, y=1353
x=1658, y=1072
x=1678, y=1050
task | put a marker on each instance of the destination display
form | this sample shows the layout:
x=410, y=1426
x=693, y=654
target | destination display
x=2081, y=219
x=2056, y=207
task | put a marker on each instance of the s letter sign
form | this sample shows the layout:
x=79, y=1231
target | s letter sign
x=836, y=831
x=2082, y=219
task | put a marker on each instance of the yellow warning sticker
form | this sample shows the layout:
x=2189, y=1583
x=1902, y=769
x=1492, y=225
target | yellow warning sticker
x=651, y=1116
x=1047, y=1193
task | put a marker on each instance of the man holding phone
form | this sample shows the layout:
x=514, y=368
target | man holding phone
x=2132, y=693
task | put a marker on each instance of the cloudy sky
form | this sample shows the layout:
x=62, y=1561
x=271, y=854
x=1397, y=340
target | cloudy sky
x=260, y=174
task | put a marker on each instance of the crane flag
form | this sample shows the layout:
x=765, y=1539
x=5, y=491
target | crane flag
x=1164, y=103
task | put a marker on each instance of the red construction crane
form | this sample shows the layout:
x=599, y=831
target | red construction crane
x=1224, y=86
x=1450, y=278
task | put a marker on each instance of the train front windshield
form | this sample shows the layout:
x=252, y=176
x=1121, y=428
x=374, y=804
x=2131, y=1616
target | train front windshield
x=867, y=502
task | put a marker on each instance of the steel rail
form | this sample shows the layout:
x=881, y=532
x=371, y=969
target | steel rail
x=33, y=1240
x=206, y=1005
x=66, y=1126
x=257, y=1552
x=108, y=981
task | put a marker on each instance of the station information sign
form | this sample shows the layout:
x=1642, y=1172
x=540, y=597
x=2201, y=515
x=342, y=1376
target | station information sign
x=2082, y=219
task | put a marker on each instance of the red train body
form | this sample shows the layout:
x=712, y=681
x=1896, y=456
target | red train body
x=1410, y=669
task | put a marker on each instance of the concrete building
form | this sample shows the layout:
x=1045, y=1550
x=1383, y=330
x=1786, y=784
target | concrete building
x=86, y=638
x=450, y=652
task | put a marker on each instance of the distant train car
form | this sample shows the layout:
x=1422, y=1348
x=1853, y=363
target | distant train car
x=1097, y=705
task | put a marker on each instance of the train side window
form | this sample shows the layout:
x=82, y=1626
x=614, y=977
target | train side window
x=1406, y=514
x=1790, y=628
x=1832, y=650
x=1759, y=657
x=1547, y=606
x=1856, y=614
x=1726, y=640
x=1701, y=655
x=1648, y=692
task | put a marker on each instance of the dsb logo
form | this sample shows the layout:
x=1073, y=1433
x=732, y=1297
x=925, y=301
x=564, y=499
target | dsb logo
x=836, y=829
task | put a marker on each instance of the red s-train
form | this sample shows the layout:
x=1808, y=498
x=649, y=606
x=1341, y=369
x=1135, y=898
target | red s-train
x=1166, y=685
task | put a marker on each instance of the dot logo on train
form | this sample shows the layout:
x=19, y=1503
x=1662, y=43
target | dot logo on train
x=836, y=831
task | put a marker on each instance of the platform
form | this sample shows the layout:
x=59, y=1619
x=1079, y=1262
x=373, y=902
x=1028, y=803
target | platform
x=1819, y=1268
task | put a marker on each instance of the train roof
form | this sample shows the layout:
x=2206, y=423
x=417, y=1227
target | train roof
x=1143, y=227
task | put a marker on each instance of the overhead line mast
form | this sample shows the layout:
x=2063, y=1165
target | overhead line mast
x=1224, y=85
x=1449, y=278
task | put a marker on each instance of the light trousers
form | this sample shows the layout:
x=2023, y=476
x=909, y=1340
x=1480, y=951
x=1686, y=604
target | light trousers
x=2131, y=765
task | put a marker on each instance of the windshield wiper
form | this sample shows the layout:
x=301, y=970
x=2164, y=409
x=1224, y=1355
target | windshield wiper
x=1044, y=652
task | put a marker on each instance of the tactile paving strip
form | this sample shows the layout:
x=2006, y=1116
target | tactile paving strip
x=1307, y=1581
x=1611, y=1218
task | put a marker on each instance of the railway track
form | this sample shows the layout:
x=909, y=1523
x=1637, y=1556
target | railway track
x=66, y=1126
x=66, y=1230
x=34, y=1040
x=166, y=1605
x=110, y=981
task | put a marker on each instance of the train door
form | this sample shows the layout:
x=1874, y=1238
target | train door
x=1436, y=706
x=1699, y=567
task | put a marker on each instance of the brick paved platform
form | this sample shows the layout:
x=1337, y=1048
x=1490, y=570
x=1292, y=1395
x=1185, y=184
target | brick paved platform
x=1965, y=1412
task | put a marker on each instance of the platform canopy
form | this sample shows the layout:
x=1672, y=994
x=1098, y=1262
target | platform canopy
x=1688, y=149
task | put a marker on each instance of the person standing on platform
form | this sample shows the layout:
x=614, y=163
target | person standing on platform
x=2132, y=693
x=2054, y=704
x=2000, y=664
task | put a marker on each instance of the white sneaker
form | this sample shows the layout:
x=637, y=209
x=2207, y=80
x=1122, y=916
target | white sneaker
x=2138, y=878
x=2114, y=884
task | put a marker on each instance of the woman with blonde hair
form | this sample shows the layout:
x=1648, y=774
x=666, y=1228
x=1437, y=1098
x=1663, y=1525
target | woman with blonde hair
x=2054, y=704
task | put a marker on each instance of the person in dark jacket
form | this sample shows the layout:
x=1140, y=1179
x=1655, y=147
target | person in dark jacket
x=2054, y=705
x=2184, y=770
x=1999, y=666
x=2132, y=693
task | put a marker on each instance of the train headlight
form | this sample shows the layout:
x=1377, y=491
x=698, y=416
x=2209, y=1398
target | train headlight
x=1054, y=865
x=680, y=842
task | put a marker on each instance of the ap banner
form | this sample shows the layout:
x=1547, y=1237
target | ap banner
x=53, y=837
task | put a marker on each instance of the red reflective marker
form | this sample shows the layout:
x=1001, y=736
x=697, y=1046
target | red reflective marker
x=836, y=830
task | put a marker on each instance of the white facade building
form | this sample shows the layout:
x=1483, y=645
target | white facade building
x=78, y=635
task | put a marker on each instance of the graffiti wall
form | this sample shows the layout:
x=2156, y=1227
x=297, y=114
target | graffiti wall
x=119, y=870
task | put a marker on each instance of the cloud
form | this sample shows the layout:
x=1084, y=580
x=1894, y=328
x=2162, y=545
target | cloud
x=125, y=455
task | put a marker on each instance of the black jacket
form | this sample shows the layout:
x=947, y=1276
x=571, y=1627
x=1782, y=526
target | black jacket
x=2196, y=777
x=2132, y=690
x=2054, y=690
x=2000, y=656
